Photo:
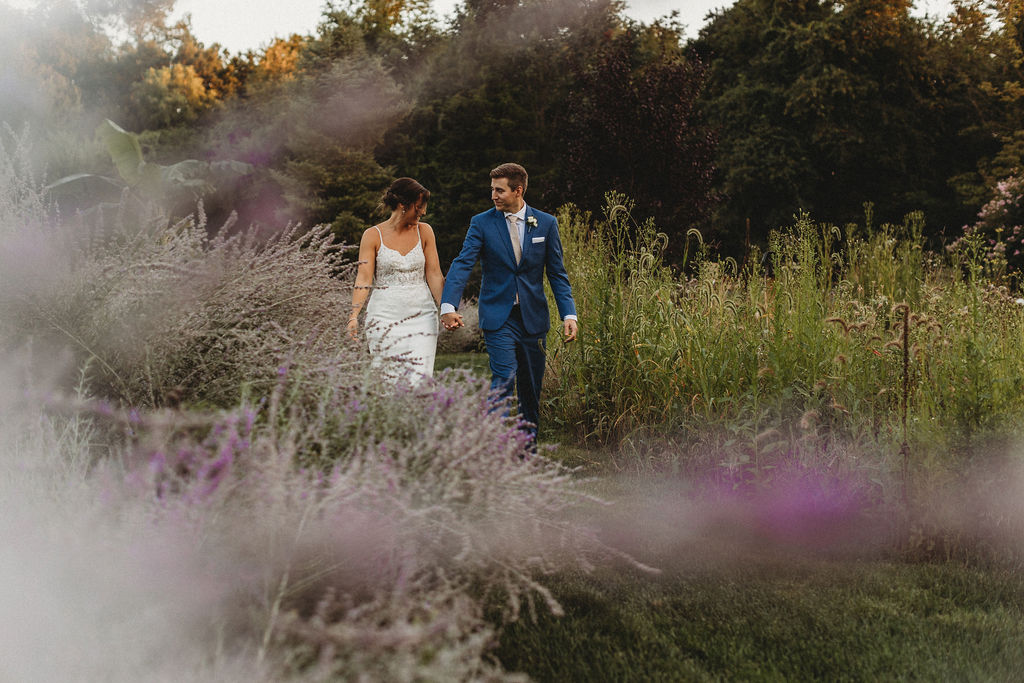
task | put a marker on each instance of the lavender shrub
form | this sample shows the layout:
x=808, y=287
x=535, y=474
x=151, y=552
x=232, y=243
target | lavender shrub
x=165, y=313
x=161, y=313
x=366, y=525
x=93, y=585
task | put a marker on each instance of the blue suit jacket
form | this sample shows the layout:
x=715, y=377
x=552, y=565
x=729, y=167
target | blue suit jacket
x=488, y=240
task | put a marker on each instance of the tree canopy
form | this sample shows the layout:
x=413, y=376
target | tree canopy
x=776, y=106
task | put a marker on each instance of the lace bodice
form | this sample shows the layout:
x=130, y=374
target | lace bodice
x=395, y=269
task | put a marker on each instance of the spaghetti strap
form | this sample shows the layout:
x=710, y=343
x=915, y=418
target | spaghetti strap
x=381, y=237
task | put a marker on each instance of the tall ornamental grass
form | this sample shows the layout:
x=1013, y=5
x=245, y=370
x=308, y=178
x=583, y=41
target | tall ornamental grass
x=799, y=353
x=617, y=376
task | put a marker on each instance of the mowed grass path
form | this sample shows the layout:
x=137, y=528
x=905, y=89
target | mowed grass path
x=724, y=611
x=776, y=619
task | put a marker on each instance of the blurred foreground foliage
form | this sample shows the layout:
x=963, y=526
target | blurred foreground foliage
x=190, y=390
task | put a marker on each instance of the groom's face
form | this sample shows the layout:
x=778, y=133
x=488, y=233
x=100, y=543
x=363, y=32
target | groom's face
x=504, y=197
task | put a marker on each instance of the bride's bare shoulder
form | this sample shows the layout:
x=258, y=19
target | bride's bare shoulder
x=372, y=235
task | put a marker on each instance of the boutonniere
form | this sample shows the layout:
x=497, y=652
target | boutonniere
x=531, y=223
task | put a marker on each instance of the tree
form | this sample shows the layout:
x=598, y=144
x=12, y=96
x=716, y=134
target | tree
x=170, y=96
x=144, y=20
x=336, y=118
x=394, y=16
x=501, y=88
x=310, y=136
x=633, y=128
x=46, y=61
x=401, y=33
x=823, y=105
x=221, y=75
x=277, y=63
x=986, y=59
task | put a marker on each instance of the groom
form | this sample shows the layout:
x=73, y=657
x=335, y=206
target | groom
x=515, y=245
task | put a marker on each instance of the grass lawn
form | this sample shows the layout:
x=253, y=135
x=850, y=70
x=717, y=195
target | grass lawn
x=729, y=606
x=720, y=612
x=778, y=619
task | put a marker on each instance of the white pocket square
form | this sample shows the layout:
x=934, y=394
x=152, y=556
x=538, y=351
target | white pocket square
x=538, y=240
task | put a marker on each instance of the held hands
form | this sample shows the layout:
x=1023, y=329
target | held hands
x=569, y=330
x=452, y=321
x=353, y=327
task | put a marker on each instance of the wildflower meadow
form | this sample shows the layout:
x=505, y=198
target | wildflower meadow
x=800, y=464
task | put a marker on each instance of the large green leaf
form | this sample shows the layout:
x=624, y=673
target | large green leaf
x=85, y=188
x=124, y=149
x=150, y=183
x=176, y=185
x=186, y=173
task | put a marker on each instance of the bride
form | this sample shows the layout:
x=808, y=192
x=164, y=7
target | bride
x=398, y=261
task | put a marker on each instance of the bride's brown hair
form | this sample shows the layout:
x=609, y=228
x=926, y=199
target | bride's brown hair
x=404, y=191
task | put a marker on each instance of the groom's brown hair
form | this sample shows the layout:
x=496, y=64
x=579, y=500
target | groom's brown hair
x=515, y=174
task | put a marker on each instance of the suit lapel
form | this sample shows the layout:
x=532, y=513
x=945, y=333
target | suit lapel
x=501, y=225
x=526, y=230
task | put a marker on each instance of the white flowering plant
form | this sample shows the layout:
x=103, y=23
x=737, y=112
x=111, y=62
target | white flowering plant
x=1000, y=226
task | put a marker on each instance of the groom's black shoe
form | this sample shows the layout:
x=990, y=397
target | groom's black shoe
x=531, y=441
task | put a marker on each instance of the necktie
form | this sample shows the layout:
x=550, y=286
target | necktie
x=513, y=232
x=517, y=249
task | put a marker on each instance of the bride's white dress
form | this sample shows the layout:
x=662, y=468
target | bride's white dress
x=401, y=316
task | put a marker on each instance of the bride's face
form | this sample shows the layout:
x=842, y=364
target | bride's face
x=413, y=214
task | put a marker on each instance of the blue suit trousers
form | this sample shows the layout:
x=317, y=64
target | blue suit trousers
x=517, y=357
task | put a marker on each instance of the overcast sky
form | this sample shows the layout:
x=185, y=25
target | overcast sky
x=239, y=25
